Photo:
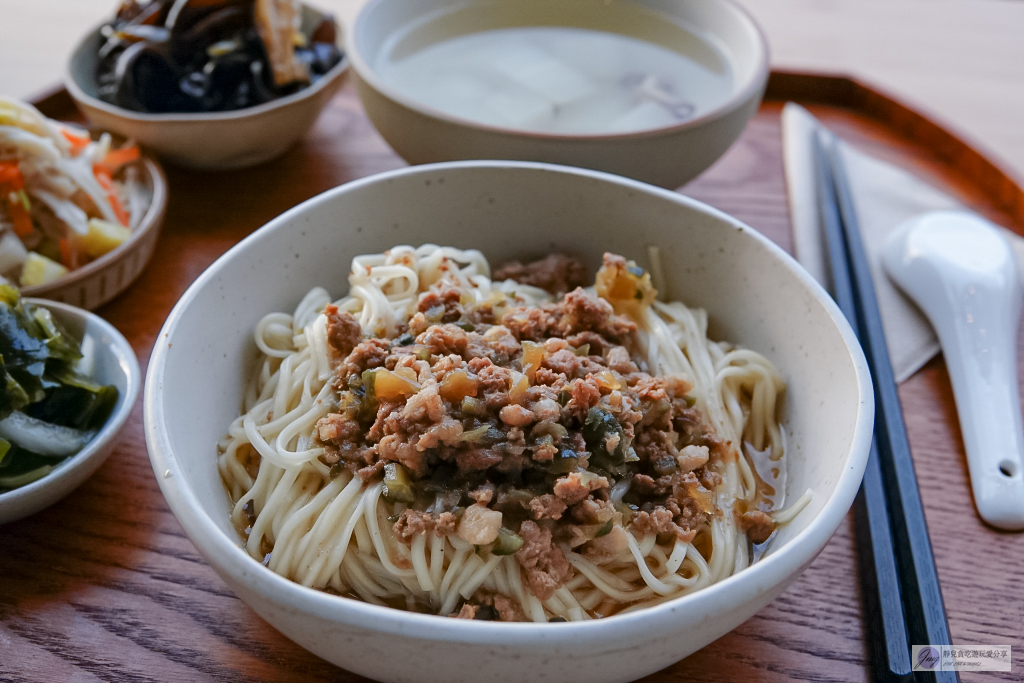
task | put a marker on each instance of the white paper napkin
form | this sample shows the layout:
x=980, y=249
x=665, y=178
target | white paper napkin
x=884, y=196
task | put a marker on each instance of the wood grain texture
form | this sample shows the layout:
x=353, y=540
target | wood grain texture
x=105, y=585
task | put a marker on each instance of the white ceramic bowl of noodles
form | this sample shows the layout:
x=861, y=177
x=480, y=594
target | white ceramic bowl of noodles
x=756, y=294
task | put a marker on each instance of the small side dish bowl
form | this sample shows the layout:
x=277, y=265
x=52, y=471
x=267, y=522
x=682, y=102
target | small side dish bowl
x=115, y=363
x=99, y=281
x=715, y=32
x=211, y=141
x=508, y=210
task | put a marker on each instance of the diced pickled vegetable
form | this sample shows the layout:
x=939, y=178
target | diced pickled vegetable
x=703, y=497
x=607, y=381
x=388, y=386
x=548, y=428
x=457, y=385
x=564, y=461
x=599, y=431
x=520, y=383
x=507, y=542
x=397, y=485
x=473, y=406
x=627, y=288
x=533, y=356
x=474, y=435
x=39, y=270
x=583, y=350
x=103, y=237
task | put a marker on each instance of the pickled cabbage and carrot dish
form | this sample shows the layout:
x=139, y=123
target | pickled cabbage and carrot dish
x=509, y=446
x=163, y=56
x=50, y=407
x=65, y=199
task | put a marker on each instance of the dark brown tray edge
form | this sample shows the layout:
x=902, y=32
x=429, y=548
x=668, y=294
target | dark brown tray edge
x=1003, y=186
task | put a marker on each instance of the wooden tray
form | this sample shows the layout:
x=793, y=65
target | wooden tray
x=105, y=584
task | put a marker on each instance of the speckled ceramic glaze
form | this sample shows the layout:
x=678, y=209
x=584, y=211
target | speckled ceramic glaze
x=99, y=281
x=115, y=364
x=756, y=294
x=668, y=156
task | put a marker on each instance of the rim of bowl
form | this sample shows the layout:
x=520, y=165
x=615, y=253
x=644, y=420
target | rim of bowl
x=125, y=355
x=756, y=83
x=79, y=94
x=150, y=221
x=227, y=556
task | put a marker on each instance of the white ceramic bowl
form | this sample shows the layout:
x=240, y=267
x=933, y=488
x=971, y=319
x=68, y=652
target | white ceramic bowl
x=668, y=157
x=99, y=281
x=115, y=364
x=757, y=295
x=214, y=141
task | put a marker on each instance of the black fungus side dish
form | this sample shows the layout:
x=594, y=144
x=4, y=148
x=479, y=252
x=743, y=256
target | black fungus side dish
x=181, y=56
x=48, y=410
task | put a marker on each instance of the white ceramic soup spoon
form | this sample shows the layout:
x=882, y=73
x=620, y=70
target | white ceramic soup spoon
x=961, y=272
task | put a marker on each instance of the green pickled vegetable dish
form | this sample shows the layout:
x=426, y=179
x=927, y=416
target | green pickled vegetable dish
x=49, y=409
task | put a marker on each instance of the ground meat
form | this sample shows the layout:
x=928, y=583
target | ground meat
x=659, y=521
x=578, y=311
x=343, y=331
x=446, y=295
x=367, y=354
x=757, y=525
x=507, y=609
x=590, y=511
x=475, y=426
x=468, y=611
x=515, y=415
x=444, y=339
x=556, y=273
x=584, y=395
x=413, y=523
x=574, y=487
x=547, y=506
x=618, y=360
x=545, y=564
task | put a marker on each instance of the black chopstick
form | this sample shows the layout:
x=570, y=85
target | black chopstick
x=879, y=573
x=918, y=581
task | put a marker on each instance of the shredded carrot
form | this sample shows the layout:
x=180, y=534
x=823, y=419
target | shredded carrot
x=10, y=174
x=105, y=180
x=66, y=257
x=116, y=158
x=77, y=142
x=22, y=221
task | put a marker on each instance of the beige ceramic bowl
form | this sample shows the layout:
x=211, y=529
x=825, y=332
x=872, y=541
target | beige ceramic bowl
x=668, y=157
x=99, y=281
x=756, y=294
x=214, y=141
x=114, y=363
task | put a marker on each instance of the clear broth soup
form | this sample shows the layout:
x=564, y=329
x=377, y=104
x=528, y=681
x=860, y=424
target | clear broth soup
x=562, y=80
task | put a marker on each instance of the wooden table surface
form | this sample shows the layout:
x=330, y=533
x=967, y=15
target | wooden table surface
x=105, y=585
